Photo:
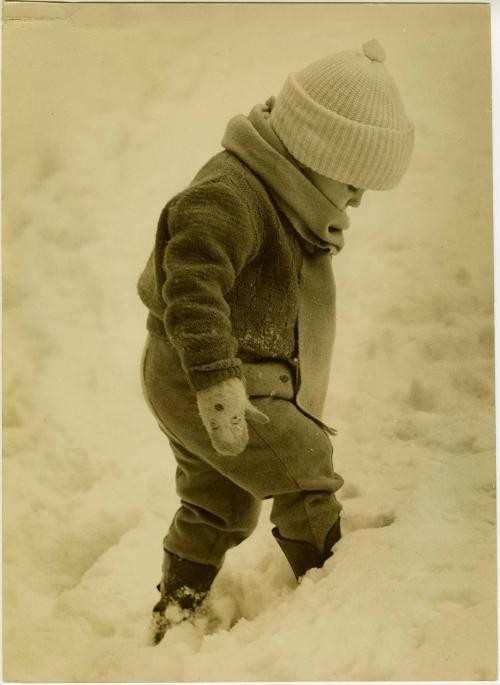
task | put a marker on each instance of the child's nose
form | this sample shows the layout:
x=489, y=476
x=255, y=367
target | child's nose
x=356, y=198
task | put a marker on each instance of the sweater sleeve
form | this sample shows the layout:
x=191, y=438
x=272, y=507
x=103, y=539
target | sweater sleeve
x=212, y=235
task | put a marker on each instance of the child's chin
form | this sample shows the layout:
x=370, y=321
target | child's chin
x=337, y=238
x=335, y=249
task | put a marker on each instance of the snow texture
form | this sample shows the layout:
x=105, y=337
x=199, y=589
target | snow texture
x=110, y=110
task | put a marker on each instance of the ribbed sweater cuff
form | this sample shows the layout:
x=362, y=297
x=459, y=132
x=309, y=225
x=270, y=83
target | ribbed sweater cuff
x=201, y=377
x=210, y=374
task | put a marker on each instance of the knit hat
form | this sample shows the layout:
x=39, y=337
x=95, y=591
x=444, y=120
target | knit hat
x=343, y=117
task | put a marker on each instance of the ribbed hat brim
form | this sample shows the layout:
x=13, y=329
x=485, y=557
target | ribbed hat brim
x=363, y=155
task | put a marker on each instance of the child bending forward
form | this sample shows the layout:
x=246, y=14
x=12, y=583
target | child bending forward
x=241, y=320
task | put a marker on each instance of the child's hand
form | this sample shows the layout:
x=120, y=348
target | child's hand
x=223, y=409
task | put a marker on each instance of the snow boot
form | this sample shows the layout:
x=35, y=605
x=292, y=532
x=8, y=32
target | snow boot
x=303, y=556
x=184, y=587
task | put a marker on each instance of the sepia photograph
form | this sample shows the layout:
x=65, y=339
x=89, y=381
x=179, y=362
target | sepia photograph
x=248, y=342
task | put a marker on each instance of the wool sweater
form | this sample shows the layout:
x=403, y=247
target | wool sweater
x=222, y=282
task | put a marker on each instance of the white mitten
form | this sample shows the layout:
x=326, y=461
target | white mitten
x=224, y=409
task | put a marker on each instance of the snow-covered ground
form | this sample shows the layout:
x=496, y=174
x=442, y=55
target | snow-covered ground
x=107, y=112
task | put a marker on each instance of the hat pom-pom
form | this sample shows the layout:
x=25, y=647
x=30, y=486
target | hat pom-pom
x=374, y=51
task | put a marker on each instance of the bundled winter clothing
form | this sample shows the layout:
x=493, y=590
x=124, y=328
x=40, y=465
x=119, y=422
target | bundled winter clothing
x=250, y=289
x=289, y=459
x=224, y=280
x=241, y=321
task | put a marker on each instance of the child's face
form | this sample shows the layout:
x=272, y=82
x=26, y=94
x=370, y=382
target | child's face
x=340, y=194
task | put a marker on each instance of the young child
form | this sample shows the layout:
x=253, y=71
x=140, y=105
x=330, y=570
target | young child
x=241, y=320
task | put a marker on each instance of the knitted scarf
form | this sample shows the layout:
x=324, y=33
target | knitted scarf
x=315, y=219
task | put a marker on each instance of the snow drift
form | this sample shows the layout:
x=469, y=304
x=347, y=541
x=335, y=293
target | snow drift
x=108, y=111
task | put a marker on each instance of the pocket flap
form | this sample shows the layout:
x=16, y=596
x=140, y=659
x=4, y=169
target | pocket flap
x=269, y=379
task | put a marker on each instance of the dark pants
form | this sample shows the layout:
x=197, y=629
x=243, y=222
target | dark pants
x=288, y=459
